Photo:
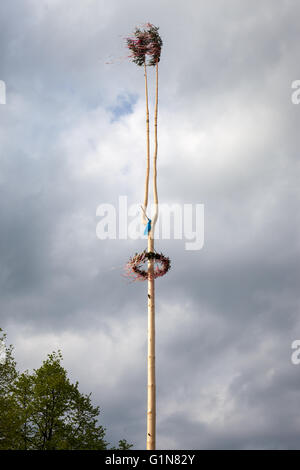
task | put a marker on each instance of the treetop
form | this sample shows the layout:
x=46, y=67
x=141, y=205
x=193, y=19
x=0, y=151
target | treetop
x=146, y=42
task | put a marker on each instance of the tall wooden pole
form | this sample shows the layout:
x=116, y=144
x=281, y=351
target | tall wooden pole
x=151, y=398
x=145, y=43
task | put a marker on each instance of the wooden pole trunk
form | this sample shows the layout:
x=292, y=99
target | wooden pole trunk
x=151, y=399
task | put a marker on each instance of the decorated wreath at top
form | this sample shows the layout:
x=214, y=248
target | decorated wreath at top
x=146, y=42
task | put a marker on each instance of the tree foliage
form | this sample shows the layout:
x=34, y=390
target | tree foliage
x=146, y=42
x=43, y=410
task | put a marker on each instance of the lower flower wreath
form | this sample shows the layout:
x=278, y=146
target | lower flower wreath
x=133, y=268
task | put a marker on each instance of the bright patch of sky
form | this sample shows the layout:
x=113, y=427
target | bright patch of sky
x=125, y=105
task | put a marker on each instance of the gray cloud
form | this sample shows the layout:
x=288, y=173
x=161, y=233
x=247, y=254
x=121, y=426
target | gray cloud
x=72, y=137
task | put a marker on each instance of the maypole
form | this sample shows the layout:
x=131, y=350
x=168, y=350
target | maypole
x=147, y=42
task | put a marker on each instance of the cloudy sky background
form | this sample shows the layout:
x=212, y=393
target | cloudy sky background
x=72, y=136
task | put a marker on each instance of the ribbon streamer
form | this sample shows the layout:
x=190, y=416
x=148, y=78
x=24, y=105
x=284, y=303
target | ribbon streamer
x=148, y=227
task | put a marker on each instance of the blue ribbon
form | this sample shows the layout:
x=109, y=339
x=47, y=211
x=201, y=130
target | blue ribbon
x=148, y=227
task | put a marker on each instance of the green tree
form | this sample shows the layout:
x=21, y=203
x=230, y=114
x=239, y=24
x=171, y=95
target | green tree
x=45, y=411
x=55, y=415
x=9, y=416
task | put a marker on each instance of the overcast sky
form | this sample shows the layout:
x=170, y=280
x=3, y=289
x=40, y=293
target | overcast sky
x=72, y=136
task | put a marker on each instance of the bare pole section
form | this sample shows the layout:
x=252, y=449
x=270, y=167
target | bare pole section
x=144, y=219
x=155, y=152
x=151, y=389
